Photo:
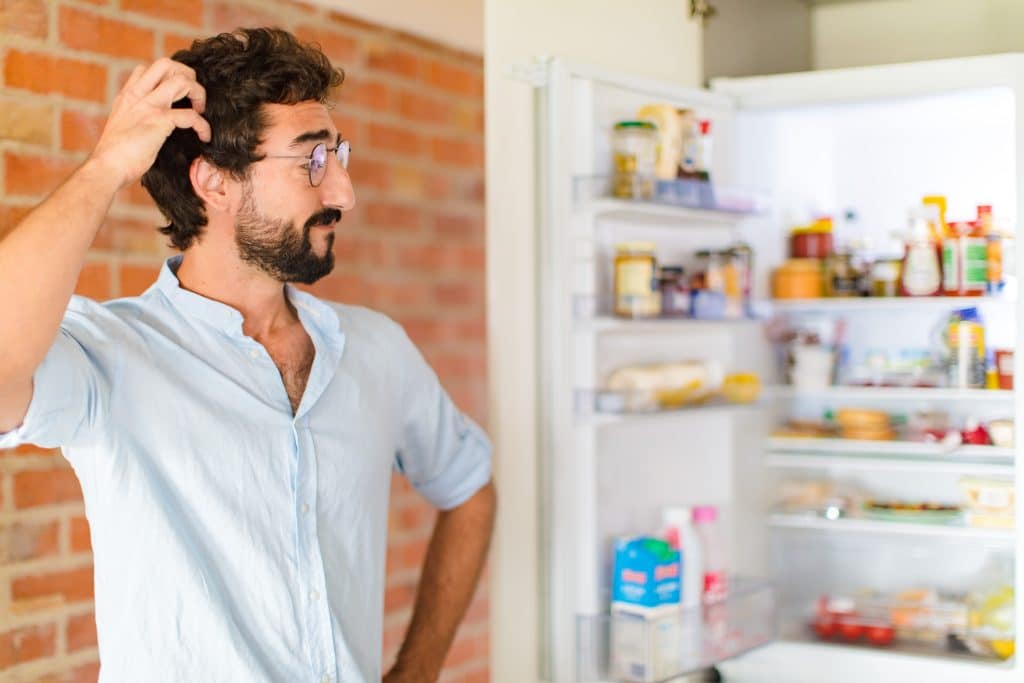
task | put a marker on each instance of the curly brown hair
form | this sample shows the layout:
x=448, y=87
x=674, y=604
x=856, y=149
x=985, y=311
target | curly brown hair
x=241, y=71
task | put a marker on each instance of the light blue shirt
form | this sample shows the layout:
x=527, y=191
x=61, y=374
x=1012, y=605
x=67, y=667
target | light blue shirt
x=234, y=541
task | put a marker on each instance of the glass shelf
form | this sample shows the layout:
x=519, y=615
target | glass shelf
x=894, y=394
x=676, y=200
x=602, y=407
x=852, y=525
x=627, y=647
x=992, y=454
x=842, y=305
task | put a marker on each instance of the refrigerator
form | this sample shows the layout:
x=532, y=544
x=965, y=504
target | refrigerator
x=863, y=145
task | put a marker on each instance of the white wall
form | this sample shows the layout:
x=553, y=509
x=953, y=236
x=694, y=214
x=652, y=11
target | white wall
x=455, y=23
x=651, y=38
x=885, y=32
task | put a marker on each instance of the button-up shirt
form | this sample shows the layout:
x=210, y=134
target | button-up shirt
x=233, y=540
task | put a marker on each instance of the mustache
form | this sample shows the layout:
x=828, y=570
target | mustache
x=325, y=217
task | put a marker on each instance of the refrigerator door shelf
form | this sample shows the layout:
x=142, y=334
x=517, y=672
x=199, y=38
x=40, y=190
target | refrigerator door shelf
x=894, y=394
x=685, y=202
x=629, y=647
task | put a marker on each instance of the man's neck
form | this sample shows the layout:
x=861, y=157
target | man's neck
x=258, y=297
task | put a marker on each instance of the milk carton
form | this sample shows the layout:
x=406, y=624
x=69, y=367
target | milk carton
x=646, y=625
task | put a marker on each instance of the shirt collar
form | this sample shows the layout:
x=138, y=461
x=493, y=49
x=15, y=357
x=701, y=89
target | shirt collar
x=312, y=311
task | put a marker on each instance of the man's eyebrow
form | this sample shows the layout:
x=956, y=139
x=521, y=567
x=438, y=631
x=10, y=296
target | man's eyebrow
x=311, y=136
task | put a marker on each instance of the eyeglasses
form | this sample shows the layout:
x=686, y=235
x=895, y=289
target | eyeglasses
x=316, y=163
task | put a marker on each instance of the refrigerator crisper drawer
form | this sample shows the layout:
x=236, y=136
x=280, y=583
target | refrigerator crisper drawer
x=638, y=649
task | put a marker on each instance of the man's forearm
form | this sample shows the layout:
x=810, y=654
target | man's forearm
x=455, y=558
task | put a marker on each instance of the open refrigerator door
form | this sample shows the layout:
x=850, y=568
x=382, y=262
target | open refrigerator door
x=640, y=412
x=863, y=482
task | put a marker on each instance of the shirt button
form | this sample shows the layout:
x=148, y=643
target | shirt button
x=255, y=353
x=314, y=596
x=305, y=508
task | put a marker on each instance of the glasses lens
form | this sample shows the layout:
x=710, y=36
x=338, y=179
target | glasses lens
x=343, y=152
x=317, y=164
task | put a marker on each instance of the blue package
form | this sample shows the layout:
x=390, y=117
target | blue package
x=646, y=575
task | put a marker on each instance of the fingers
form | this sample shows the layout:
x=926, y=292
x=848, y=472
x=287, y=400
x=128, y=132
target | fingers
x=173, y=88
x=190, y=118
x=134, y=76
x=164, y=71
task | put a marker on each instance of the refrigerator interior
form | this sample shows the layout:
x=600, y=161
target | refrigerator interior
x=865, y=163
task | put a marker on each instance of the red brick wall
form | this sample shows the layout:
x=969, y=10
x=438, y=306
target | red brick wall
x=414, y=249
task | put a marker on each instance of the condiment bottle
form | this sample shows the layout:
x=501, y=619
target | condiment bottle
x=922, y=274
x=964, y=260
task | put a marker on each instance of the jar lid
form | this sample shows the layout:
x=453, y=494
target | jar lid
x=635, y=246
x=636, y=124
x=801, y=264
x=672, y=271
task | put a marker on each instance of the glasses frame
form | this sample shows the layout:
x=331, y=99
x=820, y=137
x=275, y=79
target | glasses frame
x=341, y=152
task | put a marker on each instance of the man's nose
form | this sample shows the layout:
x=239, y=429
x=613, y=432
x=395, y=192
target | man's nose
x=336, y=190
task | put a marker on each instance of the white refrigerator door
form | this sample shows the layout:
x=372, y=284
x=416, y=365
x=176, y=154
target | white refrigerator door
x=798, y=662
x=594, y=485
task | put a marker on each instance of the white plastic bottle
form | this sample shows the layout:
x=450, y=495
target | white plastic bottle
x=678, y=531
x=712, y=544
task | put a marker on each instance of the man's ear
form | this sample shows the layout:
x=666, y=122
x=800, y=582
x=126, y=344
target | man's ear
x=210, y=184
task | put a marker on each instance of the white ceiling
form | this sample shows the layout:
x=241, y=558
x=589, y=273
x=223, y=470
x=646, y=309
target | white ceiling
x=456, y=23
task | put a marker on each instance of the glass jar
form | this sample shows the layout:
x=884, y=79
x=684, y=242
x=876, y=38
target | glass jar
x=885, y=277
x=634, y=156
x=842, y=278
x=712, y=264
x=636, y=284
x=675, y=293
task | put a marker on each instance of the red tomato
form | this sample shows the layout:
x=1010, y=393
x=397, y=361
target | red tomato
x=825, y=628
x=880, y=635
x=851, y=631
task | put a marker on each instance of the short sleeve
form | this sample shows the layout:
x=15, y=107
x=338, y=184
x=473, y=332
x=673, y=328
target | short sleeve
x=444, y=454
x=71, y=385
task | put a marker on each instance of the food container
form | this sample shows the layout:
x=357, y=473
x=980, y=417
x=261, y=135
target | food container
x=1001, y=433
x=675, y=293
x=636, y=284
x=885, y=277
x=842, y=278
x=1004, y=368
x=812, y=241
x=797, y=279
x=741, y=387
x=988, y=502
x=634, y=155
x=813, y=366
x=865, y=425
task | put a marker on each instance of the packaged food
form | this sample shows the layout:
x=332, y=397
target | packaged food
x=675, y=293
x=741, y=387
x=966, y=341
x=885, y=277
x=922, y=273
x=1004, y=368
x=669, y=122
x=842, y=278
x=635, y=283
x=1001, y=433
x=696, y=161
x=798, y=279
x=666, y=385
x=743, y=257
x=964, y=261
x=936, y=206
x=812, y=241
x=634, y=154
x=988, y=502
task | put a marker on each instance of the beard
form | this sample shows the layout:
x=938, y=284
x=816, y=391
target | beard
x=278, y=249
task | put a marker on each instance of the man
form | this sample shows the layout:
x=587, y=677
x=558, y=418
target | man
x=234, y=436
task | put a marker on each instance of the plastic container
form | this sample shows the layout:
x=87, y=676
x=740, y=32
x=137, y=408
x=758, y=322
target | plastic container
x=675, y=293
x=712, y=544
x=966, y=339
x=678, y=530
x=634, y=156
x=964, y=261
x=922, y=271
x=798, y=279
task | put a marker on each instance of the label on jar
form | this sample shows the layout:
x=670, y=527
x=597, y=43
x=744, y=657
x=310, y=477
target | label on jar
x=634, y=288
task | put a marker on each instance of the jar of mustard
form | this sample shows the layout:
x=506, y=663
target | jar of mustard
x=637, y=294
